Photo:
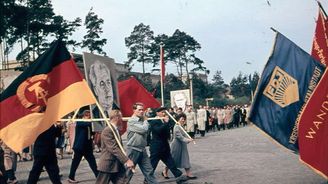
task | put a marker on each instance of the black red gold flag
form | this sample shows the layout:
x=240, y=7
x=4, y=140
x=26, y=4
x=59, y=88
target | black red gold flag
x=45, y=92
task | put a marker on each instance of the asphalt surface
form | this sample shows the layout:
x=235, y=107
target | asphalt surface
x=235, y=156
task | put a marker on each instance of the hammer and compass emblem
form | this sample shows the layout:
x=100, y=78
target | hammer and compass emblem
x=33, y=92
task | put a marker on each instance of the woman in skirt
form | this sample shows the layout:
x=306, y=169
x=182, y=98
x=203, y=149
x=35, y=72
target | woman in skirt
x=179, y=150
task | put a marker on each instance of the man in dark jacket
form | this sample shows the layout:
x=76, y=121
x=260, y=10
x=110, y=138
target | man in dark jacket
x=159, y=145
x=45, y=156
x=82, y=147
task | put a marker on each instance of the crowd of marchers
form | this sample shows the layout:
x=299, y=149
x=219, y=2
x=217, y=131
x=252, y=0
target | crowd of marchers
x=165, y=138
x=205, y=118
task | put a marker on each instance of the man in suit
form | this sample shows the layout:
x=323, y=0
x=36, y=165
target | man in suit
x=45, y=156
x=112, y=160
x=82, y=147
x=159, y=145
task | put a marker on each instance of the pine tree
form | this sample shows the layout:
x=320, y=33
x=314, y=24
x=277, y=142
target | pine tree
x=92, y=39
x=140, y=44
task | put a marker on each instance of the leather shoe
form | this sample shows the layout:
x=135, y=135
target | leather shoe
x=72, y=181
x=191, y=177
x=166, y=177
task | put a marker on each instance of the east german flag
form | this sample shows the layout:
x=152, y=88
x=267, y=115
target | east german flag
x=45, y=92
x=286, y=83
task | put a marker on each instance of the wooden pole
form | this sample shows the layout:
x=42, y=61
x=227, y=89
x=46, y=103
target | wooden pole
x=110, y=126
x=179, y=126
x=162, y=77
x=103, y=119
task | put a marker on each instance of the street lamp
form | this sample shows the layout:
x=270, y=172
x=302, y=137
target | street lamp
x=162, y=70
x=250, y=81
x=191, y=90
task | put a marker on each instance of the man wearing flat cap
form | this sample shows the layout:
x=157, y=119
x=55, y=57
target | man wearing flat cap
x=159, y=144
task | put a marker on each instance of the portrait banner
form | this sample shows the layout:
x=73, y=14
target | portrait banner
x=180, y=98
x=100, y=72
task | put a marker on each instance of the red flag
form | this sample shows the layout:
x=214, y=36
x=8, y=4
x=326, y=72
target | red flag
x=313, y=122
x=45, y=92
x=320, y=40
x=130, y=92
x=162, y=64
x=313, y=129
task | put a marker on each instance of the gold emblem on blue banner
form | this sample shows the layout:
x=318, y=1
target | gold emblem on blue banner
x=282, y=88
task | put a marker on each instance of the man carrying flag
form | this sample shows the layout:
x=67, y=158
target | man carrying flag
x=46, y=91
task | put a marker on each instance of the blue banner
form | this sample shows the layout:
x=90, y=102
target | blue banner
x=286, y=83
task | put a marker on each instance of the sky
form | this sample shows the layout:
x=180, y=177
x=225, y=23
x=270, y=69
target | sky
x=232, y=33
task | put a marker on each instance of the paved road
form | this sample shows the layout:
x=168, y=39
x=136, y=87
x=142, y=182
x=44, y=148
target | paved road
x=236, y=156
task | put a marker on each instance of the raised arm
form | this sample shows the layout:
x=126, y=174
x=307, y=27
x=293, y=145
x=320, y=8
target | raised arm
x=135, y=126
x=179, y=135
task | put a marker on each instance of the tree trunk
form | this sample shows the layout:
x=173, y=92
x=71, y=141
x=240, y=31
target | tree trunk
x=2, y=57
x=178, y=69
x=143, y=60
x=143, y=67
x=22, y=46
x=187, y=71
x=6, y=59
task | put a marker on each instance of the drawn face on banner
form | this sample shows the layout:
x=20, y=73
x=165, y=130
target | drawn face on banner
x=99, y=75
x=180, y=100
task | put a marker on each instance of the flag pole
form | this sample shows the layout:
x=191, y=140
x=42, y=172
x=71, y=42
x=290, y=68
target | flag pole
x=74, y=115
x=176, y=122
x=323, y=11
x=162, y=72
x=102, y=119
x=110, y=126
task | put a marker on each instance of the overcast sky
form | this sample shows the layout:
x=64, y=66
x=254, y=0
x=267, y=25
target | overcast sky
x=231, y=32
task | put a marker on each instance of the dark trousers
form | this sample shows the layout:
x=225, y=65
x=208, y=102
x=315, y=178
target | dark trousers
x=3, y=178
x=51, y=165
x=88, y=155
x=165, y=157
x=223, y=126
